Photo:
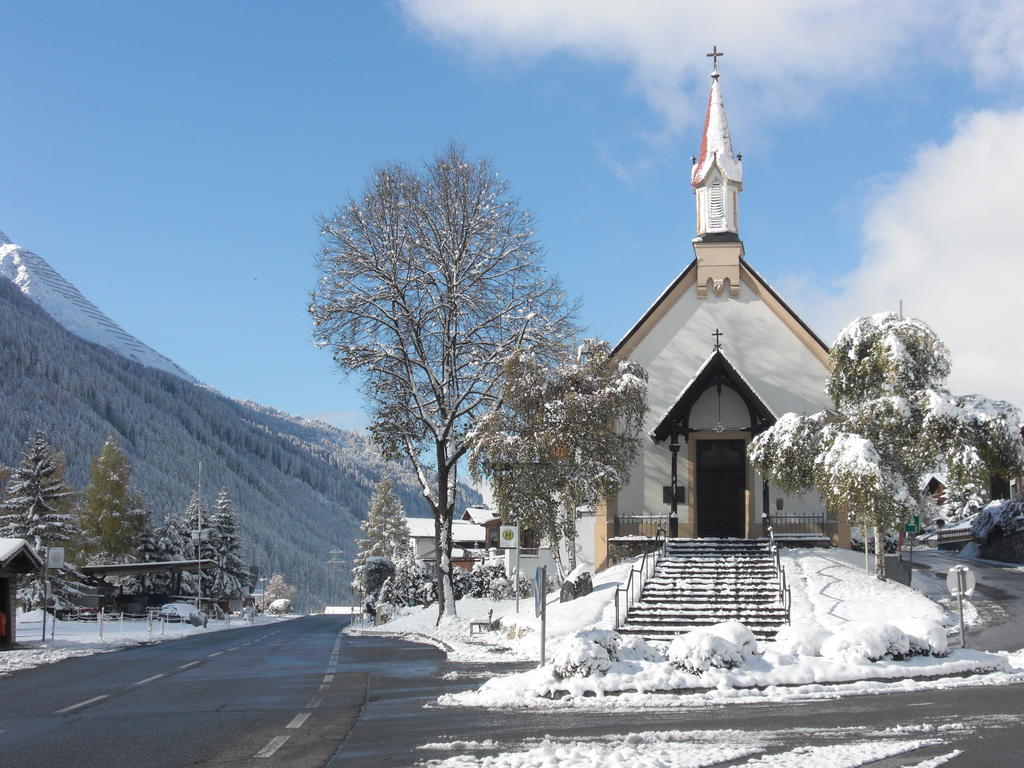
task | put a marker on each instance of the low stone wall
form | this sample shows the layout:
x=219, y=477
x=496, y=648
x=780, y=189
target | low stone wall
x=623, y=548
x=1008, y=549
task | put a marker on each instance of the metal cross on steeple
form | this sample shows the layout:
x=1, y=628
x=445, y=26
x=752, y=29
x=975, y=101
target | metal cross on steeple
x=715, y=53
x=718, y=339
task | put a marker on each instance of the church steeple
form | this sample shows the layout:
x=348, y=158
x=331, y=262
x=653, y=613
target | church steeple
x=717, y=174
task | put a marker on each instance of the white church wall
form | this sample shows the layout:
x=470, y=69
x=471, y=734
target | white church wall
x=777, y=364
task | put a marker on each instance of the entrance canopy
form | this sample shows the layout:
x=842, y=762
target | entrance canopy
x=716, y=371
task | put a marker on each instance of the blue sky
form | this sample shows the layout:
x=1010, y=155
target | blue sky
x=170, y=160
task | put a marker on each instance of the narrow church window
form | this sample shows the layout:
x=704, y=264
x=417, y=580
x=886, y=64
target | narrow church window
x=716, y=206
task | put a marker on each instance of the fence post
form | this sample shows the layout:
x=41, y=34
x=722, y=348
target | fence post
x=99, y=619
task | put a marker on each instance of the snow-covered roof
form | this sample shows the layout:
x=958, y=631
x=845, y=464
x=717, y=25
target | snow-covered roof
x=689, y=393
x=462, y=530
x=716, y=145
x=14, y=550
x=420, y=527
x=480, y=515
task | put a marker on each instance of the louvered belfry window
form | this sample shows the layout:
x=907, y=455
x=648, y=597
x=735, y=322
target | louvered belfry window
x=716, y=205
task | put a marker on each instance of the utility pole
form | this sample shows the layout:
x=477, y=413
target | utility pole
x=336, y=562
x=199, y=542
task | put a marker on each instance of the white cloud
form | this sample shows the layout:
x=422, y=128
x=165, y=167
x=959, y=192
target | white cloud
x=948, y=238
x=782, y=56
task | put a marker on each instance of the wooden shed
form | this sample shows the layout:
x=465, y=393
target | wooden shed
x=16, y=557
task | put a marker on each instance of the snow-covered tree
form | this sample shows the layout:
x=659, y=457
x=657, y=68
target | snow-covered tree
x=172, y=543
x=428, y=283
x=387, y=534
x=278, y=588
x=567, y=434
x=148, y=551
x=231, y=576
x=35, y=509
x=894, y=420
x=200, y=545
x=111, y=517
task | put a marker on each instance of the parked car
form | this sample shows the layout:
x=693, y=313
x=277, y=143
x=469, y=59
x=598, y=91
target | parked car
x=175, y=612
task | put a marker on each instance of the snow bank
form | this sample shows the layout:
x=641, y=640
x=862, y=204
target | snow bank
x=723, y=646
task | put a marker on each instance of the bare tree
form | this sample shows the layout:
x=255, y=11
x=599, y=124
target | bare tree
x=428, y=283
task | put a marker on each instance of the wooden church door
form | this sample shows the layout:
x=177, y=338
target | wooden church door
x=721, y=487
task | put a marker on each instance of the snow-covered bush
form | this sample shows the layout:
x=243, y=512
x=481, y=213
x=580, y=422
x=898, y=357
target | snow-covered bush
x=280, y=606
x=999, y=518
x=723, y=646
x=376, y=571
x=633, y=648
x=926, y=638
x=890, y=542
x=488, y=581
x=801, y=639
x=858, y=641
x=586, y=653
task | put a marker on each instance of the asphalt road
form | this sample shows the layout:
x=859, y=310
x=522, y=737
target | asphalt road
x=298, y=693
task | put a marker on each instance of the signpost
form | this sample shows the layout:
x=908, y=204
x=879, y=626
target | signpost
x=912, y=528
x=508, y=538
x=960, y=581
x=540, y=581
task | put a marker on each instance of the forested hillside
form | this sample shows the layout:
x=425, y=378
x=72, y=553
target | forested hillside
x=300, y=487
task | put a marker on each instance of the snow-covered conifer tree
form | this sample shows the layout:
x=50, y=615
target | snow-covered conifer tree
x=231, y=576
x=428, y=283
x=200, y=544
x=35, y=509
x=567, y=434
x=172, y=543
x=387, y=534
x=894, y=420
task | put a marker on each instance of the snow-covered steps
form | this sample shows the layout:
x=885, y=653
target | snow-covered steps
x=702, y=582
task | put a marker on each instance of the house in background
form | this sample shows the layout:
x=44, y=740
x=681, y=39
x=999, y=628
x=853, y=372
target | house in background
x=469, y=542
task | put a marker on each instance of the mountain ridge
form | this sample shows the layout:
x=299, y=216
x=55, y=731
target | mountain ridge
x=301, y=486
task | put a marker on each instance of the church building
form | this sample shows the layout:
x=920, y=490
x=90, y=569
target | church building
x=725, y=356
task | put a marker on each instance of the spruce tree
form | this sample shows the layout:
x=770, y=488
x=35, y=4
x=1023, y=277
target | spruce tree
x=200, y=545
x=111, y=517
x=35, y=510
x=230, y=577
x=387, y=533
x=172, y=543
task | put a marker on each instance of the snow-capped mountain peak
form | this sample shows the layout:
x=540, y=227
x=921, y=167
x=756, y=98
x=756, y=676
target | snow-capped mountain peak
x=62, y=301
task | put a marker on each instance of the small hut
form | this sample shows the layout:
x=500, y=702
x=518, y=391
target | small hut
x=16, y=557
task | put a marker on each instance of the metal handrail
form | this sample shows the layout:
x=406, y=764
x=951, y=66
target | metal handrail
x=634, y=589
x=780, y=573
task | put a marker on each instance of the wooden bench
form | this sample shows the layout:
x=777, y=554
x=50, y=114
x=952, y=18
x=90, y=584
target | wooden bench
x=481, y=625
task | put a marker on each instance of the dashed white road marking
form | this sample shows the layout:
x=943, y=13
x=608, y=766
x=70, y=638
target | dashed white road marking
x=298, y=720
x=218, y=653
x=272, y=747
x=190, y=664
x=314, y=702
x=149, y=679
x=233, y=649
x=328, y=678
x=81, y=704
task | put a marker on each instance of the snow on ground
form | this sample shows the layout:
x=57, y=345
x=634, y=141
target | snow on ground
x=919, y=745
x=850, y=634
x=81, y=638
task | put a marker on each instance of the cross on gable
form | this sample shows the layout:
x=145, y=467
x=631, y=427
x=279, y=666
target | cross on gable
x=718, y=339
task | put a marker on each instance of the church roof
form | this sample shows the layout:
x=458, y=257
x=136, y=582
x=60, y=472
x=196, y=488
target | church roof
x=653, y=309
x=716, y=144
x=715, y=370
